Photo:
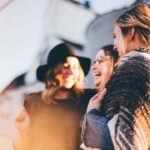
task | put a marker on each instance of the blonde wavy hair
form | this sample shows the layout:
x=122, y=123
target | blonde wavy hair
x=139, y=18
x=52, y=83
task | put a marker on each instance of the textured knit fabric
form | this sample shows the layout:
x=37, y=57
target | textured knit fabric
x=128, y=97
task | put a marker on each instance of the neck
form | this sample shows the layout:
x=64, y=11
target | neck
x=136, y=43
x=65, y=94
x=143, y=46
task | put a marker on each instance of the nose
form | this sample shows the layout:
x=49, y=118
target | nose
x=68, y=71
x=93, y=67
x=115, y=49
x=95, y=64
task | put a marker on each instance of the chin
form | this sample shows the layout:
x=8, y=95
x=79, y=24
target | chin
x=96, y=86
x=68, y=86
x=100, y=87
x=97, y=83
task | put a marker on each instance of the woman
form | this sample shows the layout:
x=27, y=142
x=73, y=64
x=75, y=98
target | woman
x=126, y=104
x=103, y=65
x=51, y=120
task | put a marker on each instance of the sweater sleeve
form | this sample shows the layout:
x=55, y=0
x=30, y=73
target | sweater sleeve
x=128, y=85
x=124, y=135
x=127, y=103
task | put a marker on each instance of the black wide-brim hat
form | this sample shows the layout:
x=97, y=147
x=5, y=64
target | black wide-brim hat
x=58, y=54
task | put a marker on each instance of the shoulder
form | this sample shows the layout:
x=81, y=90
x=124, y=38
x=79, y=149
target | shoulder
x=33, y=98
x=33, y=95
x=134, y=58
x=134, y=63
x=133, y=70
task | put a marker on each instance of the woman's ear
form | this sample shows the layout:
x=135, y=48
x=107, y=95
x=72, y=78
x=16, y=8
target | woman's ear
x=22, y=120
x=131, y=34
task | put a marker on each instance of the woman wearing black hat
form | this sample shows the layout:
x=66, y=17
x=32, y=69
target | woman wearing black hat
x=51, y=120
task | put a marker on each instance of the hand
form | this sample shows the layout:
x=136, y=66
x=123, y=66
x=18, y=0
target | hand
x=96, y=100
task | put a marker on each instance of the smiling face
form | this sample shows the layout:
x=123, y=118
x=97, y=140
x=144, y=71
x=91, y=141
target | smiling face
x=102, y=68
x=120, y=41
x=67, y=73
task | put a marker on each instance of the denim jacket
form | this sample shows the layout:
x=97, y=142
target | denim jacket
x=95, y=132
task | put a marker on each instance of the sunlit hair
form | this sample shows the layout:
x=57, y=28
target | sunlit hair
x=80, y=82
x=139, y=18
x=51, y=81
x=109, y=51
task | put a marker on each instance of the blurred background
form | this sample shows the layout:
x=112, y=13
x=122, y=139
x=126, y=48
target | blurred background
x=30, y=28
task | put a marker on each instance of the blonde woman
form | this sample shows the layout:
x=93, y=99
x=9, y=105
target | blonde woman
x=51, y=120
x=126, y=103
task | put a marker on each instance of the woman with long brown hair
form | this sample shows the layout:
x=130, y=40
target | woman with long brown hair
x=104, y=64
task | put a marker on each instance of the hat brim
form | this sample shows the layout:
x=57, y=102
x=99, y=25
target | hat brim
x=84, y=62
x=41, y=72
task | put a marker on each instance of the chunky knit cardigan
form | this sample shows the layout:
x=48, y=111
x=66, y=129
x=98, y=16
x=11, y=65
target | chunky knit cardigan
x=127, y=102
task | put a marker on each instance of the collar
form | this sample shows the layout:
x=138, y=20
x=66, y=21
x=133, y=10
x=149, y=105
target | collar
x=143, y=50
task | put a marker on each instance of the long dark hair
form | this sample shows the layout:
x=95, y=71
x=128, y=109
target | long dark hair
x=109, y=50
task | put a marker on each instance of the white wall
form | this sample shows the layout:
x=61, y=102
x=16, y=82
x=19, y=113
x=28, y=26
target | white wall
x=67, y=20
x=21, y=25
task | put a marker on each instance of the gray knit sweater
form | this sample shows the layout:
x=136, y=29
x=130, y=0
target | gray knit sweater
x=128, y=97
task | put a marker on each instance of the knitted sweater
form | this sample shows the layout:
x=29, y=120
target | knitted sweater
x=128, y=101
